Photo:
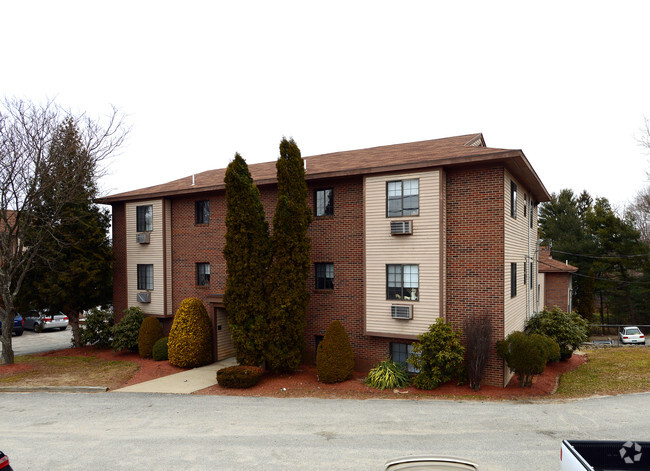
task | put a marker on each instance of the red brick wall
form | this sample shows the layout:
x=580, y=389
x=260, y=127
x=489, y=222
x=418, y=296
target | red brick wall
x=475, y=252
x=120, y=296
x=556, y=290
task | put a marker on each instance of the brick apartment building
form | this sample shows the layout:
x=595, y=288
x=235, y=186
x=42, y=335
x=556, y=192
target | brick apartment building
x=402, y=234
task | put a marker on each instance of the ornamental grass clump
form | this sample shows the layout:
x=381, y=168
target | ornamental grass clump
x=388, y=375
x=335, y=359
x=190, y=338
x=240, y=376
x=150, y=331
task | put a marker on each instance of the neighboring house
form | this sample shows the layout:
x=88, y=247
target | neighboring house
x=402, y=234
x=555, y=282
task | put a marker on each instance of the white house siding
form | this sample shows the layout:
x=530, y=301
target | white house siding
x=422, y=248
x=151, y=253
x=520, y=247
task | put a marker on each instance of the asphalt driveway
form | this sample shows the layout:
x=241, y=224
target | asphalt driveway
x=111, y=431
x=46, y=341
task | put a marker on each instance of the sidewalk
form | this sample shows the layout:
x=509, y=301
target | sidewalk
x=185, y=382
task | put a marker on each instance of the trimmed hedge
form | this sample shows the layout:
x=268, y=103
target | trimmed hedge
x=335, y=359
x=527, y=354
x=150, y=331
x=240, y=376
x=159, y=350
x=190, y=339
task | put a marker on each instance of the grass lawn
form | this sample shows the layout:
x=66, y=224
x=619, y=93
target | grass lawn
x=609, y=371
x=67, y=370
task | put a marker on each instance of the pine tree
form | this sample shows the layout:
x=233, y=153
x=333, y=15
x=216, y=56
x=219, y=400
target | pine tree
x=73, y=271
x=247, y=255
x=288, y=293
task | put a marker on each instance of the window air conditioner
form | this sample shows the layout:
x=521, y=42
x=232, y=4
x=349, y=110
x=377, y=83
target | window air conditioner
x=401, y=311
x=144, y=297
x=401, y=227
x=142, y=238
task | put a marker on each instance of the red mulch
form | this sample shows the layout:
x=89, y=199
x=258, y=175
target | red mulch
x=304, y=383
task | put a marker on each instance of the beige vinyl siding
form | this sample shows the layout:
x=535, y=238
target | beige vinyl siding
x=542, y=287
x=421, y=248
x=151, y=253
x=520, y=247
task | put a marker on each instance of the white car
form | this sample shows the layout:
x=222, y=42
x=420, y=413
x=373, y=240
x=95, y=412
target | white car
x=631, y=335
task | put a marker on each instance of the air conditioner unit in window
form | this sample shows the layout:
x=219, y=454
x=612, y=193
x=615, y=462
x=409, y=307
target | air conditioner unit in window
x=144, y=297
x=142, y=238
x=401, y=311
x=401, y=227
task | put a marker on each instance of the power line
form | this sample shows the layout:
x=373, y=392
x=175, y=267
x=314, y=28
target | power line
x=595, y=277
x=601, y=257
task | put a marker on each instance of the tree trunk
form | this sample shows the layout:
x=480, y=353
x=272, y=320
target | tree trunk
x=74, y=322
x=5, y=340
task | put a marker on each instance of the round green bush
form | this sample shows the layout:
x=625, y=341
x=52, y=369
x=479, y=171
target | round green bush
x=526, y=354
x=239, y=376
x=568, y=329
x=159, y=350
x=190, y=338
x=150, y=331
x=335, y=359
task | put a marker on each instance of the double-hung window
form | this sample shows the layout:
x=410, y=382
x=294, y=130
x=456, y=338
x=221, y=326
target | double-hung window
x=202, y=213
x=324, y=202
x=145, y=277
x=144, y=218
x=403, y=198
x=513, y=200
x=202, y=274
x=402, y=282
x=324, y=276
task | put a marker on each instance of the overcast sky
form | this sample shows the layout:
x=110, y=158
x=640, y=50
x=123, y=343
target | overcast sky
x=567, y=82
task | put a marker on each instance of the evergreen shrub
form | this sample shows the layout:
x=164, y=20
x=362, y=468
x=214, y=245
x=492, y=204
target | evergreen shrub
x=190, y=338
x=239, y=376
x=388, y=375
x=159, y=351
x=125, y=332
x=526, y=354
x=568, y=329
x=150, y=331
x=438, y=355
x=335, y=359
x=96, y=330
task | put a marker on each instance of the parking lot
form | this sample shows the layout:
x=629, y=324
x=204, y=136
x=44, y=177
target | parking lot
x=46, y=341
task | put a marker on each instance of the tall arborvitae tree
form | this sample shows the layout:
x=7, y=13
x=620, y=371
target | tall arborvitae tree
x=73, y=270
x=248, y=255
x=288, y=293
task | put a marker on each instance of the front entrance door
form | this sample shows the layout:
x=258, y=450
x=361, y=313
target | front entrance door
x=222, y=340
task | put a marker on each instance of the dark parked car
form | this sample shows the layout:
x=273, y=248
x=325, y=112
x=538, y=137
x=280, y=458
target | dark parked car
x=41, y=320
x=18, y=325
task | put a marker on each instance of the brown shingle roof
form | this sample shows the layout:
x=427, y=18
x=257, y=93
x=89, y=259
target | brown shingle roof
x=547, y=264
x=466, y=149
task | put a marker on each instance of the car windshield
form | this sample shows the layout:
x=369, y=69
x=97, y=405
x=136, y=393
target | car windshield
x=632, y=331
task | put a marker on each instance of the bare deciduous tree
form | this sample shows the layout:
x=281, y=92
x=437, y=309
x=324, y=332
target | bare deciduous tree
x=29, y=173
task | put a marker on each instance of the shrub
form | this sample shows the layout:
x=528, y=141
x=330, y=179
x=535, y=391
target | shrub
x=478, y=340
x=125, y=332
x=190, y=338
x=388, y=375
x=159, y=350
x=552, y=349
x=334, y=359
x=96, y=329
x=569, y=330
x=150, y=331
x=526, y=354
x=239, y=376
x=438, y=355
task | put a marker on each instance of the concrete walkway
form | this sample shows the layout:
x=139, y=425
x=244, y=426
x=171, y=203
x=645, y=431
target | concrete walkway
x=185, y=382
